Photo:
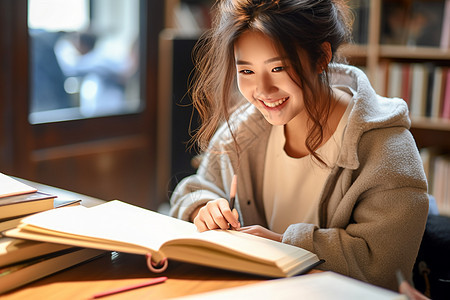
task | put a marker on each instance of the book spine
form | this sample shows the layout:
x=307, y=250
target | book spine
x=446, y=101
x=445, y=33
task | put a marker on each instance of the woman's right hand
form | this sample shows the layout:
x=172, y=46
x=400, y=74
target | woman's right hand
x=216, y=214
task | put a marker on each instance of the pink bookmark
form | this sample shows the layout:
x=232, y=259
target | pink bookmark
x=131, y=287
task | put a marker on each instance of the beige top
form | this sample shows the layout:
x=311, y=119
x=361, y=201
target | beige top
x=288, y=179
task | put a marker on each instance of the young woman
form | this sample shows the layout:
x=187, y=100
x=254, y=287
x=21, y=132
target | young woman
x=322, y=162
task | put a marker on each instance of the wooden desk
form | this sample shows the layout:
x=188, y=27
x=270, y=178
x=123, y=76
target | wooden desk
x=118, y=269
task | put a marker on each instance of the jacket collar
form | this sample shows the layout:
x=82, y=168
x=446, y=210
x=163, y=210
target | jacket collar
x=370, y=111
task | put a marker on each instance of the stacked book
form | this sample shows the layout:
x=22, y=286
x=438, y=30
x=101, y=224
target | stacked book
x=23, y=261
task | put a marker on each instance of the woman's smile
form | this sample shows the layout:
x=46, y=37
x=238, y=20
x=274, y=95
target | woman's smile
x=274, y=104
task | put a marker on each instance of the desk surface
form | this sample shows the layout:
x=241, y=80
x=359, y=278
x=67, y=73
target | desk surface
x=115, y=270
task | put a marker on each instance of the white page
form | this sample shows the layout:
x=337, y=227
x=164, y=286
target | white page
x=10, y=186
x=319, y=286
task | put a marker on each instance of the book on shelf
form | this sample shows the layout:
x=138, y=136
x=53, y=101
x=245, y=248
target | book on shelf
x=323, y=285
x=419, y=85
x=440, y=188
x=436, y=163
x=400, y=81
x=382, y=78
x=406, y=83
x=424, y=86
x=428, y=154
x=17, y=275
x=122, y=227
x=446, y=99
x=395, y=80
x=437, y=92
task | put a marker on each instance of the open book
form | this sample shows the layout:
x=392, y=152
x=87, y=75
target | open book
x=118, y=226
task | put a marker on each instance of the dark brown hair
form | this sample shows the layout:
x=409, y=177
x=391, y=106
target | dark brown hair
x=293, y=25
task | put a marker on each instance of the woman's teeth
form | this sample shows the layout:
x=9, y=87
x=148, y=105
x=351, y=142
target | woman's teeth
x=276, y=103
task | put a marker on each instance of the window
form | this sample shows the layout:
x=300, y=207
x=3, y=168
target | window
x=84, y=59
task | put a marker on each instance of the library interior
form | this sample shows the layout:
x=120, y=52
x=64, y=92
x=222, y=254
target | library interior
x=95, y=106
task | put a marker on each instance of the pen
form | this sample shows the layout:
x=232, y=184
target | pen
x=233, y=194
x=401, y=281
x=233, y=191
x=131, y=287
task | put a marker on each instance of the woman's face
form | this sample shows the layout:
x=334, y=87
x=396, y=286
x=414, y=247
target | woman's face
x=263, y=79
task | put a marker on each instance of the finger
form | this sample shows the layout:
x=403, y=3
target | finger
x=204, y=216
x=210, y=223
x=236, y=215
x=244, y=229
x=209, y=215
x=230, y=217
x=217, y=215
x=254, y=229
x=201, y=226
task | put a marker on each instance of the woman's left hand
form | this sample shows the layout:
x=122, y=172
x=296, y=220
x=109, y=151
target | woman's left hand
x=262, y=232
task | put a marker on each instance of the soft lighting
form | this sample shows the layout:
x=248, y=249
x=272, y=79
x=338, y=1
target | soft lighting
x=58, y=15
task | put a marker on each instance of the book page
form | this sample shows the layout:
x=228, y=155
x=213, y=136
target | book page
x=114, y=221
x=10, y=186
x=235, y=242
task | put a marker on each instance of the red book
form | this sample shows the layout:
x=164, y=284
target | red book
x=446, y=101
x=406, y=83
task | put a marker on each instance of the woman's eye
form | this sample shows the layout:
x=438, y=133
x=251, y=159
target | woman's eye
x=277, y=69
x=246, y=72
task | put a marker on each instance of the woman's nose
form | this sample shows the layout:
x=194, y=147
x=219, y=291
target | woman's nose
x=265, y=87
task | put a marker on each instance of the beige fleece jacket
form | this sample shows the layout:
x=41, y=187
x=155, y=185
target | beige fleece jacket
x=373, y=207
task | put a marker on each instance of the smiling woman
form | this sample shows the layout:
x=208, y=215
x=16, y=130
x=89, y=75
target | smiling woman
x=319, y=157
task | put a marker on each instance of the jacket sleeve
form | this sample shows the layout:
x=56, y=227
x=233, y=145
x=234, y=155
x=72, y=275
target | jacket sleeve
x=212, y=181
x=378, y=225
x=220, y=162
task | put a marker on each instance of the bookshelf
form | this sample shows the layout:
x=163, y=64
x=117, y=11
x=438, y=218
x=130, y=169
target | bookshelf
x=375, y=52
x=408, y=52
x=377, y=55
